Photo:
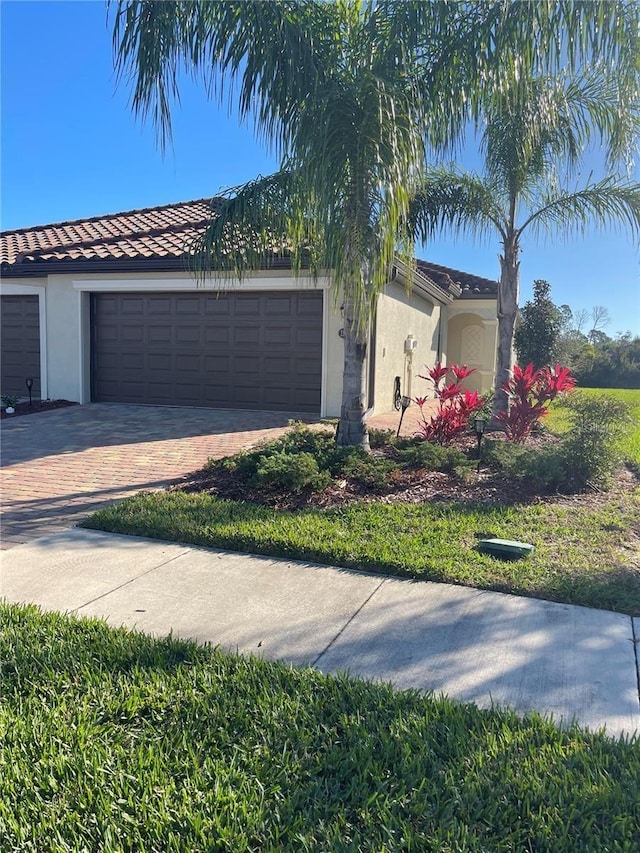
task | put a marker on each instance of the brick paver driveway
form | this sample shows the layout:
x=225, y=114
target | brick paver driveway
x=61, y=465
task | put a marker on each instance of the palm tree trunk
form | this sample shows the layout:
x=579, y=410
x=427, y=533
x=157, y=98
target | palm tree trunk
x=352, y=430
x=508, y=295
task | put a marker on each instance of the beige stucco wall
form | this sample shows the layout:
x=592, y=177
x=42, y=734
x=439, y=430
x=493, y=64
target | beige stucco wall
x=472, y=329
x=401, y=314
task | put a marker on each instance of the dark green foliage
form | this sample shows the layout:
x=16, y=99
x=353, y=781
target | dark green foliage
x=587, y=454
x=432, y=457
x=381, y=438
x=370, y=471
x=613, y=363
x=293, y=471
x=308, y=458
x=591, y=447
x=536, y=338
x=118, y=742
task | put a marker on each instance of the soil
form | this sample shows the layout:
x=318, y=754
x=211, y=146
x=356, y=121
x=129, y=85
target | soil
x=26, y=408
x=407, y=486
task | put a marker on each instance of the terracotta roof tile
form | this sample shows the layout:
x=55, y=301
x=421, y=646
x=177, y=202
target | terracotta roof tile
x=151, y=232
x=162, y=233
x=472, y=286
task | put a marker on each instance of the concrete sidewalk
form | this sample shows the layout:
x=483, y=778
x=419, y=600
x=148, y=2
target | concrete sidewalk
x=482, y=647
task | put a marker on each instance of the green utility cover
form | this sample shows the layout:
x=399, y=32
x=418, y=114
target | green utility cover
x=505, y=548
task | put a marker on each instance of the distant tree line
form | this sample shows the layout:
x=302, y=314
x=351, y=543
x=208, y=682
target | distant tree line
x=548, y=334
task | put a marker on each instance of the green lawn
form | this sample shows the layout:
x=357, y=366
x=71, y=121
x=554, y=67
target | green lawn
x=557, y=419
x=578, y=556
x=585, y=553
x=113, y=741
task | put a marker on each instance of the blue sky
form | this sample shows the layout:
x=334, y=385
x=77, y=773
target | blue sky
x=71, y=148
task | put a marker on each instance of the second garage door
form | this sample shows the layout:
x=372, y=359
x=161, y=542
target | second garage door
x=20, y=334
x=235, y=350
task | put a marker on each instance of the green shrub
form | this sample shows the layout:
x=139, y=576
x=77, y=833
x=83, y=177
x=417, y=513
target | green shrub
x=505, y=457
x=381, y=438
x=586, y=456
x=591, y=448
x=292, y=471
x=367, y=470
x=432, y=457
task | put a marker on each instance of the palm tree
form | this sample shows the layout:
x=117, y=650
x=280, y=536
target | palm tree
x=349, y=94
x=533, y=136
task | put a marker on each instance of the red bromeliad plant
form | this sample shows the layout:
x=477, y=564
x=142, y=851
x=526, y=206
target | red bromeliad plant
x=455, y=405
x=530, y=393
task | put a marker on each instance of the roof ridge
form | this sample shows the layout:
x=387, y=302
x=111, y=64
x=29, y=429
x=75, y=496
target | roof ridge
x=106, y=216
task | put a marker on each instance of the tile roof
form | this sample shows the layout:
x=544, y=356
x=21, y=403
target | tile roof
x=153, y=232
x=154, y=235
x=472, y=286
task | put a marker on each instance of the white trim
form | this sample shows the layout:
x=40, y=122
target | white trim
x=325, y=366
x=189, y=284
x=42, y=319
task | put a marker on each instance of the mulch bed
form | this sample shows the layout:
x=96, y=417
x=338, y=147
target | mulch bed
x=27, y=408
x=406, y=486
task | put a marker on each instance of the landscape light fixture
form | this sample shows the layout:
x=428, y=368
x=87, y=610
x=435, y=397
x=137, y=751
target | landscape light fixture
x=405, y=402
x=479, y=425
x=29, y=387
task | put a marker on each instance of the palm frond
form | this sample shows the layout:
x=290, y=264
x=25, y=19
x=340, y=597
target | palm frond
x=457, y=200
x=608, y=204
x=254, y=224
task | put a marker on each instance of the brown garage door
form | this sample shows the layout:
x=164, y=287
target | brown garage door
x=236, y=350
x=20, y=345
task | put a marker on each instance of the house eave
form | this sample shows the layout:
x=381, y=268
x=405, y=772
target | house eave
x=422, y=284
x=39, y=269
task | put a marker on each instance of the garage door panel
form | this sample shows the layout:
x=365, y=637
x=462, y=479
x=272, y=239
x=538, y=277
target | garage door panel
x=132, y=361
x=227, y=353
x=159, y=306
x=188, y=363
x=278, y=305
x=218, y=306
x=217, y=335
x=187, y=335
x=249, y=364
x=247, y=306
x=133, y=307
x=133, y=334
x=159, y=334
x=308, y=337
x=158, y=361
x=188, y=305
x=20, y=344
x=244, y=336
x=277, y=366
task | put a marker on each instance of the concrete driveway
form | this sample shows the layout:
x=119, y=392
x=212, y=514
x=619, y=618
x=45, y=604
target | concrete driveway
x=61, y=465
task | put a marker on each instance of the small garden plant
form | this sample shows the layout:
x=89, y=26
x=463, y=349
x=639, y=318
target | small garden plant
x=530, y=394
x=10, y=400
x=455, y=404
